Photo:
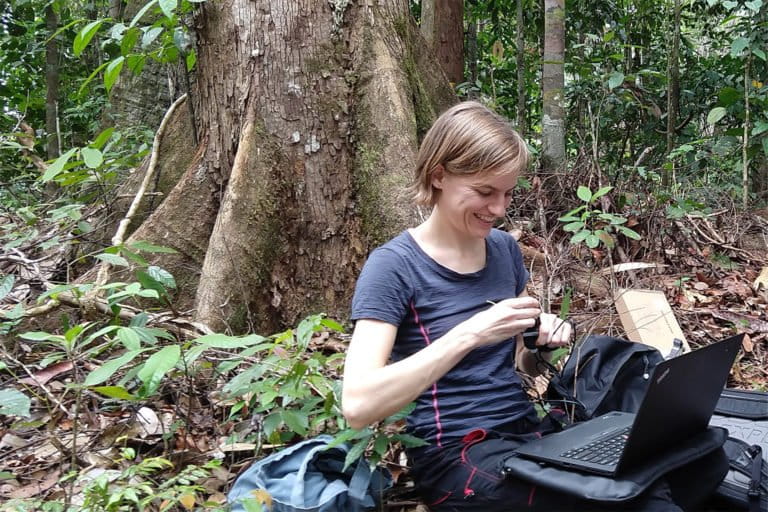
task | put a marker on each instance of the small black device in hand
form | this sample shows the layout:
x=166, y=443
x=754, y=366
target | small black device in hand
x=530, y=336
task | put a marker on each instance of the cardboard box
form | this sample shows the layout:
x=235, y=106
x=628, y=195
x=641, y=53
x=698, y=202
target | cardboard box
x=647, y=317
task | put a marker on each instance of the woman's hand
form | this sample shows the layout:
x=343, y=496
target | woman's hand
x=553, y=332
x=501, y=321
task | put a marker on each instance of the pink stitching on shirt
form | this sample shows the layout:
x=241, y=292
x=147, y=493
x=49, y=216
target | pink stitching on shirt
x=435, y=405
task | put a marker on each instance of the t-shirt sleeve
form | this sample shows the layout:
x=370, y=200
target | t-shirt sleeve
x=518, y=265
x=383, y=290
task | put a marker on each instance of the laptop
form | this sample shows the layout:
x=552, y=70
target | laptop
x=678, y=404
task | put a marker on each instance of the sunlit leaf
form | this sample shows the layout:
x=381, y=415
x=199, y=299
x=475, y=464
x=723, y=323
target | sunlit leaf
x=142, y=12
x=355, y=453
x=84, y=36
x=113, y=72
x=738, y=45
x=114, y=392
x=584, y=193
x=715, y=115
x=129, y=338
x=129, y=40
x=168, y=6
x=6, y=285
x=141, y=245
x=230, y=342
x=615, y=79
x=112, y=259
x=162, y=276
x=92, y=157
x=150, y=35
x=14, y=403
x=102, y=138
x=601, y=192
x=573, y=226
x=155, y=368
x=57, y=166
x=108, y=369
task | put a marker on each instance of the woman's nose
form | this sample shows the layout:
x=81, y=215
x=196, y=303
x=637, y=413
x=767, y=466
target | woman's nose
x=498, y=206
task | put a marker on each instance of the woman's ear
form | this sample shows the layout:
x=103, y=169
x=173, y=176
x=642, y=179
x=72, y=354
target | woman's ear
x=438, y=175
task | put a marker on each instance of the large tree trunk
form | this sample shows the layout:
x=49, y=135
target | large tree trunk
x=553, y=85
x=309, y=115
x=442, y=25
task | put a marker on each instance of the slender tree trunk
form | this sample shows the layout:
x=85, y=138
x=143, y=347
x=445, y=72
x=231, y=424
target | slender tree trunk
x=442, y=25
x=673, y=89
x=52, y=84
x=745, y=142
x=553, y=85
x=308, y=125
x=520, y=58
x=472, y=56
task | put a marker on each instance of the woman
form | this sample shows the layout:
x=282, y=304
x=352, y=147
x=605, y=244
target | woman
x=446, y=302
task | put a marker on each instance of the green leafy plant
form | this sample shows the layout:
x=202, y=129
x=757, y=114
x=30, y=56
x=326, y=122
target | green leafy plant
x=142, y=484
x=591, y=225
x=289, y=386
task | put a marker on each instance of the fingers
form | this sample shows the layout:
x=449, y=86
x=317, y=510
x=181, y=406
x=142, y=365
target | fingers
x=553, y=331
x=522, y=309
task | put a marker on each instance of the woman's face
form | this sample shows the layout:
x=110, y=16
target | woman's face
x=471, y=204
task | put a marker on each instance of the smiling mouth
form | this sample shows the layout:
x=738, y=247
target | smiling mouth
x=485, y=218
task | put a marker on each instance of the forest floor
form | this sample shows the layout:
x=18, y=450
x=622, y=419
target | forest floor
x=712, y=270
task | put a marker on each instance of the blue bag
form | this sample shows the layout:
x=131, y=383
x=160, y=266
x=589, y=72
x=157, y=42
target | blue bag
x=309, y=476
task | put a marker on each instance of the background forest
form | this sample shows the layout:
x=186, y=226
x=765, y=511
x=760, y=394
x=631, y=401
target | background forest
x=182, y=179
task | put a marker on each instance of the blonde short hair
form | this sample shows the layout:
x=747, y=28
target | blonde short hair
x=466, y=139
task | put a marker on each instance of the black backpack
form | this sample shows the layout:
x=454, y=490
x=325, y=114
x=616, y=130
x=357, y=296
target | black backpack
x=603, y=374
x=611, y=374
x=745, y=415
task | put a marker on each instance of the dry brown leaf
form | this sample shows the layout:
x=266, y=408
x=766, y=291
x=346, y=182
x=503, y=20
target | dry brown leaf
x=217, y=498
x=762, y=280
x=747, y=344
x=737, y=286
x=36, y=488
x=47, y=374
x=742, y=321
x=187, y=501
x=262, y=497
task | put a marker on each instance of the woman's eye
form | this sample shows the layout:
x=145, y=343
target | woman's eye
x=484, y=193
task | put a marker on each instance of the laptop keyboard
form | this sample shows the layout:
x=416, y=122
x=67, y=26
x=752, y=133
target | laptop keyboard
x=605, y=451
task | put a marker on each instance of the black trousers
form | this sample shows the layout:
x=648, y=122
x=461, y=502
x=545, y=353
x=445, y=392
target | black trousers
x=468, y=476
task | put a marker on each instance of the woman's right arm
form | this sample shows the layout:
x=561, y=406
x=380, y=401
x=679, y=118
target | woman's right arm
x=373, y=389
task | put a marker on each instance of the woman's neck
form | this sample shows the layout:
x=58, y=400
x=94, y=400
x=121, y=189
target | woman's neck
x=449, y=247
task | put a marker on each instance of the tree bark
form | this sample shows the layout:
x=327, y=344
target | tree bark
x=442, y=25
x=553, y=85
x=309, y=121
x=520, y=58
x=52, y=85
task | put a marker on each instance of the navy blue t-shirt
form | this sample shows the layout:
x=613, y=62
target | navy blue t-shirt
x=401, y=285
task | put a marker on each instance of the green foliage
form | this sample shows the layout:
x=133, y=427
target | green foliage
x=13, y=403
x=142, y=484
x=593, y=226
x=289, y=387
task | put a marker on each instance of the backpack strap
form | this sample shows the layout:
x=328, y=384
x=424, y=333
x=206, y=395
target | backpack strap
x=753, y=493
x=361, y=479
